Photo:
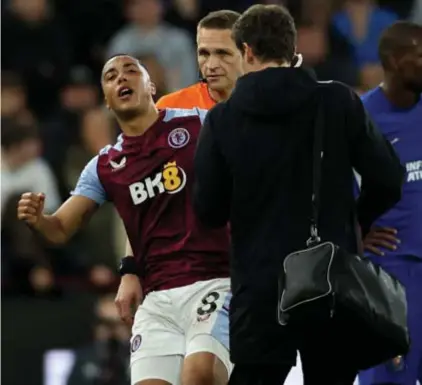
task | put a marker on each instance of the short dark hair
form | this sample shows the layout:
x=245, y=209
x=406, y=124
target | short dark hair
x=121, y=54
x=270, y=32
x=223, y=19
x=397, y=39
x=14, y=133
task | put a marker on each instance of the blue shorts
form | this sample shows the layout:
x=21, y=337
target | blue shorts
x=408, y=369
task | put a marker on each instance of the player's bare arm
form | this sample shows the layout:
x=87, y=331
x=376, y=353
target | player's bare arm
x=59, y=227
x=129, y=295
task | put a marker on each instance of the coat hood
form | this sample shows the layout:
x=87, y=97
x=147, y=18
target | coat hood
x=274, y=91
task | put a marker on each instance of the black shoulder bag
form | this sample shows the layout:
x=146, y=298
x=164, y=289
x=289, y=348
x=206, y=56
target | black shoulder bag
x=324, y=283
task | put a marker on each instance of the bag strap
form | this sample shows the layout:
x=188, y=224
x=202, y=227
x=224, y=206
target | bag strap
x=317, y=158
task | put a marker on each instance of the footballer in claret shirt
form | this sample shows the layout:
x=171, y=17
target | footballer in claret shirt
x=182, y=265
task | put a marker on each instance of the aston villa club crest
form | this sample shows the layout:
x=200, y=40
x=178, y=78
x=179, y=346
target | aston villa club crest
x=178, y=137
x=136, y=343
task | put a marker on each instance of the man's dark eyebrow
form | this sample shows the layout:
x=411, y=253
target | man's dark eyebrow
x=223, y=50
x=126, y=65
x=109, y=70
x=218, y=50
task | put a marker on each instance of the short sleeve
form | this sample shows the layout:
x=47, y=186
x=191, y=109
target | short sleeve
x=89, y=184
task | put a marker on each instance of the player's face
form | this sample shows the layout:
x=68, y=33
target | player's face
x=410, y=68
x=126, y=85
x=219, y=59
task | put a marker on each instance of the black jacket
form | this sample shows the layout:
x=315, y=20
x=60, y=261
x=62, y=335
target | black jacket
x=254, y=169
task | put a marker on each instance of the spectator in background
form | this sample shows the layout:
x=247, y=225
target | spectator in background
x=322, y=46
x=36, y=48
x=97, y=129
x=62, y=128
x=14, y=98
x=362, y=22
x=90, y=38
x=185, y=14
x=22, y=168
x=157, y=74
x=416, y=14
x=23, y=256
x=106, y=360
x=146, y=33
x=26, y=261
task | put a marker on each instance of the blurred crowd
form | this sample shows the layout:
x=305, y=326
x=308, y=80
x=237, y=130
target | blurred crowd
x=53, y=119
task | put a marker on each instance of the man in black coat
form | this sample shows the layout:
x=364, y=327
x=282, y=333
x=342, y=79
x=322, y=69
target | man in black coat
x=254, y=169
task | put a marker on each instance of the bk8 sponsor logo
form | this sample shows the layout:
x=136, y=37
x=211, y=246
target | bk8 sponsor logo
x=171, y=180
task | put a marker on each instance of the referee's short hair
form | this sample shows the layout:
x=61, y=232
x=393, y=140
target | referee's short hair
x=269, y=30
x=222, y=19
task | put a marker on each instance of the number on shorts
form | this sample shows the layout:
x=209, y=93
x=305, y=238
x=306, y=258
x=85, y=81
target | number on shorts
x=208, y=303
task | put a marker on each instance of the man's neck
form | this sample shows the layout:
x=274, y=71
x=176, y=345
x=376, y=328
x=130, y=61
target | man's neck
x=398, y=95
x=139, y=124
x=263, y=66
x=219, y=96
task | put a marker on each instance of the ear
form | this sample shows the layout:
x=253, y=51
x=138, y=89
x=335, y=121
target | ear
x=152, y=88
x=248, y=54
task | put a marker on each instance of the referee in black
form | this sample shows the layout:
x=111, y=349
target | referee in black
x=253, y=168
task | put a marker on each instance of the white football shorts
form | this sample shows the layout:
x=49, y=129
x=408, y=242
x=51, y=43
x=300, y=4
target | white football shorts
x=175, y=323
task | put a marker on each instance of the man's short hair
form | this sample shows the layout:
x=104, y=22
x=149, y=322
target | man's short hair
x=397, y=40
x=223, y=19
x=270, y=32
x=121, y=54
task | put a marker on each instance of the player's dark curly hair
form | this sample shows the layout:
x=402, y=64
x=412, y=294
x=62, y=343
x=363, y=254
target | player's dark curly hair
x=270, y=32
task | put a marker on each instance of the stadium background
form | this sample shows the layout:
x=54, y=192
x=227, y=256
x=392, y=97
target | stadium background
x=57, y=303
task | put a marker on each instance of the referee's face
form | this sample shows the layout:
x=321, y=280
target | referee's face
x=219, y=60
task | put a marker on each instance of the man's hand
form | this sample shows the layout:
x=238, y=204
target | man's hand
x=30, y=208
x=129, y=297
x=384, y=237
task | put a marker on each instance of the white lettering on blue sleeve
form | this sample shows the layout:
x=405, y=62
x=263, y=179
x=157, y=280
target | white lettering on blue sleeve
x=89, y=184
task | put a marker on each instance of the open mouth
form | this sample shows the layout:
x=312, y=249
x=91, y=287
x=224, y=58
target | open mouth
x=125, y=92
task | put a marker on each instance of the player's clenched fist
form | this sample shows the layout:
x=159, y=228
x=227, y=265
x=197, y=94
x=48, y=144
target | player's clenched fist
x=129, y=297
x=30, y=207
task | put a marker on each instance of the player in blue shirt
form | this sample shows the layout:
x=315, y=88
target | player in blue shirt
x=395, y=242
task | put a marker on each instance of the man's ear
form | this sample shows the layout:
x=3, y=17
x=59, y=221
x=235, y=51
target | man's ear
x=248, y=54
x=153, y=88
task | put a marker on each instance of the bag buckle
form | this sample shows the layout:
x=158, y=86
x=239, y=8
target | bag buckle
x=314, y=239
